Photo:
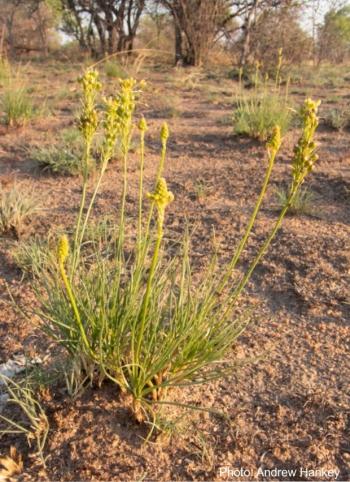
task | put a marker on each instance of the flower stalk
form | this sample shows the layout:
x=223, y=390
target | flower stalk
x=62, y=255
x=161, y=197
x=303, y=162
x=273, y=147
x=88, y=123
x=142, y=128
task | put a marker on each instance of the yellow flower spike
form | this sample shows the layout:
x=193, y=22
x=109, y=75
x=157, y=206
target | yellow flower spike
x=90, y=80
x=88, y=123
x=88, y=120
x=305, y=156
x=111, y=124
x=164, y=135
x=164, y=132
x=161, y=196
x=63, y=249
x=274, y=144
x=142, y=125
x=312, y=105
x=62, y=252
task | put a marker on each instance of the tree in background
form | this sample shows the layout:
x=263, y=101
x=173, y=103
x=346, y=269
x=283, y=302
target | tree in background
x=270, y=19
x=250, y=29
x=103, y=26
x=27, y=25
x=334, y=36
x=279, y=27
x=196, y=23
x=156, y=29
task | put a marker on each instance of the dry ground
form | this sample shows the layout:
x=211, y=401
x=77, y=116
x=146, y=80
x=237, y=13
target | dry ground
x=289, y=409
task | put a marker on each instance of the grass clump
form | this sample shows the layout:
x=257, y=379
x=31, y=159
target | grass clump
x=169, y=106
x=324, y=75
x=17, y=106
x=303, y=202
x=57, y=159
x=338, y=119
x=63, y=158
x=114, y=70
x=125, y=311
x=16, y=206
x=36, y=425
x=5, y=69
x=257, y=115
x=201, y=189
x=33, y=256
x=15, y=101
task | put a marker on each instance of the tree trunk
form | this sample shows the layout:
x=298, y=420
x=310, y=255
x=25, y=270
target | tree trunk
x=91, y=41
x=192, y=57
x=179, y=58
x=101, y=34
x=42, y=32
x=195, y=26
x=112, y=33
x=133, y=20
x=112, y=39
x=246, y=37
x=79, y=30
x=10, y=36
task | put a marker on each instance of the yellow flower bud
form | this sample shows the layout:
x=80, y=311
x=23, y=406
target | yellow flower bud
x=142, y=125
x=311, y=105
x=164, y=132
x=90, y=81
x=161, y=196
x=63, y=249
x=275, y=141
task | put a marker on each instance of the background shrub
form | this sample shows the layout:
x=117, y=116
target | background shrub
x=338, y=118
x=16, y=206
x=302, y=203
x=17, y=106
x=257, y=115
x=114, y=70
x=64, y=157
x=33, y=256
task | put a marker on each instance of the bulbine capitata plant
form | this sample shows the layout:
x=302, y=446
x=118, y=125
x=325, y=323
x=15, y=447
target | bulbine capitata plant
x=258, y=113
x=124, y=310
